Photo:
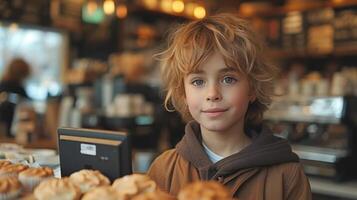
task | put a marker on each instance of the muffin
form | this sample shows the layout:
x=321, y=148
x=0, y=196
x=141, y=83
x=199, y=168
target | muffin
x=4, y=163
x=132, y=185
x=10, y=188
x=12, y=169
x=156, y=195
x=57, y=189
x=87, y=179
x=103, y=192
x=31, y=177
x=208, y=190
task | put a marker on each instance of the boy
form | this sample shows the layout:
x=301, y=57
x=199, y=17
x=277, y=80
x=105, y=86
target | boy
x=215, y=75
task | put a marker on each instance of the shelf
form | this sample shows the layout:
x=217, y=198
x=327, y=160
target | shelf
x=342, y=3
x=302, y=6
x=328, y=187
x=39, y=143
x=345, y=50
x=135, y=35
x=94, y=119
x=339, y=51
x=142, y=11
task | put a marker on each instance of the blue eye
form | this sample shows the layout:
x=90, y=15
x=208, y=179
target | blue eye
x=197, y=82
x=229, y=80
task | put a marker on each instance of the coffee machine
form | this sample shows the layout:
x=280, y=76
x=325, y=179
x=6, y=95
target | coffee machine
x=322, y=132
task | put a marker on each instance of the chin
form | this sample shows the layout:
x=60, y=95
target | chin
x=215, y=126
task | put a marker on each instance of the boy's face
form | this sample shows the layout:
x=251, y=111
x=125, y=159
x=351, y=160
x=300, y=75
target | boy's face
x=217, y=96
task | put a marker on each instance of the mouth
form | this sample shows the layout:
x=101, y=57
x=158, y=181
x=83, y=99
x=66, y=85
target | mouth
x=214, y=112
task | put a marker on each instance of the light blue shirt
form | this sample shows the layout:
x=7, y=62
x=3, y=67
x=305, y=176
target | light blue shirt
x=211, y=155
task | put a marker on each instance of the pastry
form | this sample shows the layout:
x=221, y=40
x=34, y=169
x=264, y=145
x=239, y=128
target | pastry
x=4, y=163
x=156, y=195
x=87, y=179
x=57, y=189
x=132, y=185
x=103, y=192
x=12, y=169
x=10, y=188
x=31, y=177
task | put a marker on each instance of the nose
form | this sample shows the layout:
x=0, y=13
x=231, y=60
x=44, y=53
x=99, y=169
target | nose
x=213, y=93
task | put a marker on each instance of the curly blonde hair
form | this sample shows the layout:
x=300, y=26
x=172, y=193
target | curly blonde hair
x=192, y=43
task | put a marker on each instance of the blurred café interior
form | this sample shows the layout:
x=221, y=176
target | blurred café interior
x=89, y=64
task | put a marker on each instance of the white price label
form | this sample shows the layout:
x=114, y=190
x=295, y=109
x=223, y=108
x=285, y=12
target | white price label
x=88, y=149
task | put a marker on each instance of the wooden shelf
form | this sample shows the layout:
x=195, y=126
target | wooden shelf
x=136, y=35
x=339, y=51
x=299, y=6
x=335, y=189
x=342, y=3
x=346, y=50
x=142, y=11
x=40, y=143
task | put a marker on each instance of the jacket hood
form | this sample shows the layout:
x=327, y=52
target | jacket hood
x=265, y=149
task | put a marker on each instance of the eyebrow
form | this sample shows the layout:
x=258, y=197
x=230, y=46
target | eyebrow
x=228, y=69
x=224, y=70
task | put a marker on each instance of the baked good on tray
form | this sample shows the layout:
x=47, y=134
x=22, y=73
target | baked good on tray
x=10, y=188
x=156, y=195
x=102, y=192
x=4, y=163
x=87, y=179
x=31, y=177
x=57, y=189
x=12, y=169
x=132, y=185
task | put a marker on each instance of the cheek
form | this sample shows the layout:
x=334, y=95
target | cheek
x=239, y=100
x=192, y=101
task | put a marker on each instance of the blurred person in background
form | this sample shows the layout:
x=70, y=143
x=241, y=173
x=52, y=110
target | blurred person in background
x=12, y=91
x=15, y=74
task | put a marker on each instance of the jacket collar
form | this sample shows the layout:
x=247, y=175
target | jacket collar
x=265, y=149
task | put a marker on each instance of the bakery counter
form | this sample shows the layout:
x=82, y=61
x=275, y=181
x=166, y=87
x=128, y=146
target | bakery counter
x=40, y=143
x=31, y=155
x=343, y=190
x=18, y=181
